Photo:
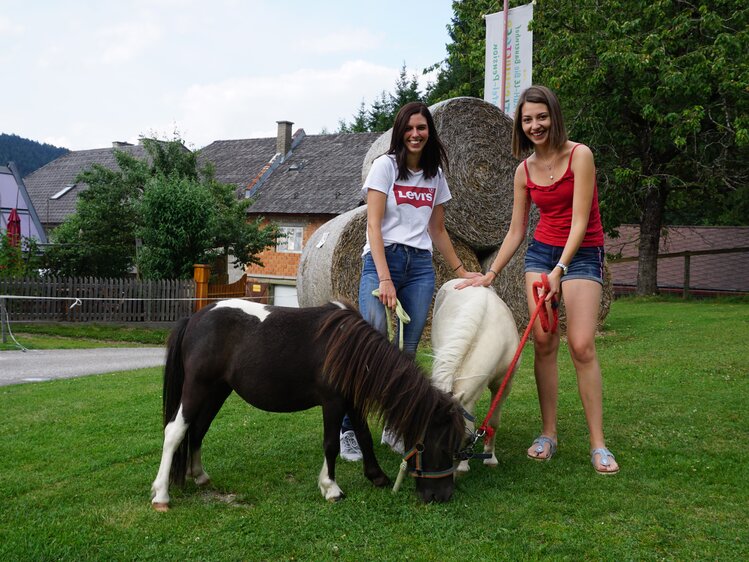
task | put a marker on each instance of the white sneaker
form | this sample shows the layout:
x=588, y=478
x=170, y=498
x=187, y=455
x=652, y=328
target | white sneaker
x=391, y=440
x=350, y=447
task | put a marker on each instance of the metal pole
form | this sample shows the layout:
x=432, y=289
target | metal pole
x=504, y=59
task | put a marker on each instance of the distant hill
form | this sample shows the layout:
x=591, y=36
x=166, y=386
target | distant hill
x=27, y=155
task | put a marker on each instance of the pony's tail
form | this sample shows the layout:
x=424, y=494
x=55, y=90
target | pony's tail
x=174, y=377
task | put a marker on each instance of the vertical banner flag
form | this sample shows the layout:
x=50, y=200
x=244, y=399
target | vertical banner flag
x=515, y=52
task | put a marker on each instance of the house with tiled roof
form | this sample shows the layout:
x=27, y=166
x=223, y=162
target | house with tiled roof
x=305, y=181
x=707, y=260
x=53, y=187
x=15, y=197
x=298, y=181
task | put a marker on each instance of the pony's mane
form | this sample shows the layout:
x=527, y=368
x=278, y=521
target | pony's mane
x=379, y=379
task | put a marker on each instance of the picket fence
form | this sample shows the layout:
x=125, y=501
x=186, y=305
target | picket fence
x=89, y=299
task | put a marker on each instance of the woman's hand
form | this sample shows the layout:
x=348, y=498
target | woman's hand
x=387, y=293
x=476, y=280
x=555, y=284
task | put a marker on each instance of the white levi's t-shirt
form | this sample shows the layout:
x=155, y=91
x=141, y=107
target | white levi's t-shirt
x=409, y=203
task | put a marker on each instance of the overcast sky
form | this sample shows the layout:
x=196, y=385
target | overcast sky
x=81, y=74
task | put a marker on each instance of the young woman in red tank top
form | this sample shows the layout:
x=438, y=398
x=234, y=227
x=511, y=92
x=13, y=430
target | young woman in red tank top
x=559, y=177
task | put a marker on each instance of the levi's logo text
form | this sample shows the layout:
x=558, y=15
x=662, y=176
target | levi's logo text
x=415, y=196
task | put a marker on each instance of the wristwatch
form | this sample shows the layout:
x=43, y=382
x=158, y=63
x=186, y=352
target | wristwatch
x=563, y=267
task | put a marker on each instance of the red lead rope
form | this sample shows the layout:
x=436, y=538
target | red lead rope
x=541, y=312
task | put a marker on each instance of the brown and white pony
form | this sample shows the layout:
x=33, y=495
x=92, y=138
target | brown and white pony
x=292, y=359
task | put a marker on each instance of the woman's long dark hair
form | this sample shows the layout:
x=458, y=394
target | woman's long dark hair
x=434, y=155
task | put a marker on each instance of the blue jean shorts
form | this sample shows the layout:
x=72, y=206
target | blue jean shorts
x=587, y=263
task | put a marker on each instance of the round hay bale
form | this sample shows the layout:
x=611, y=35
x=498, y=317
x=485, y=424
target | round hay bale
x=330, y=266
x=478, y=139
x=378, y=148
x=347, y=262
x=317, y=282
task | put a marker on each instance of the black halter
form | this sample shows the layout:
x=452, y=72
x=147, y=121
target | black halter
x=417, y=451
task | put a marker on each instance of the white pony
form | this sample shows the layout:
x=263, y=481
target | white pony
x=474, y=339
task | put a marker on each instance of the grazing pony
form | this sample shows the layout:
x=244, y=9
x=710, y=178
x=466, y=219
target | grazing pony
x=474, y=339
x=291, y=359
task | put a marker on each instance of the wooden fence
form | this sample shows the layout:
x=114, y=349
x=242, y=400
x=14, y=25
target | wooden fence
x=96, y=300
x=227, y=291
x=714, y=277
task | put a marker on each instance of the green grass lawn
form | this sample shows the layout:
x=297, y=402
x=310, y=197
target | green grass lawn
x=81, y=336
x=79, y=456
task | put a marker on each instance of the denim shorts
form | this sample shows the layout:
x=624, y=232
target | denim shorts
x=587, y=263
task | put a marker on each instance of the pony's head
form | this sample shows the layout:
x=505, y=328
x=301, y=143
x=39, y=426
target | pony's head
x=375, y=376
x=432, y=460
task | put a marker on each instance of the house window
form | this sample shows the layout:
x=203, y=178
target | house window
x=63, y=191
x=292, y=240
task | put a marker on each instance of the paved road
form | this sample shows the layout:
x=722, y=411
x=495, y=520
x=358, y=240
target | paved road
x=46, y=364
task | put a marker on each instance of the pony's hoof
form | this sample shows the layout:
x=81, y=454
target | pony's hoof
x=336, y=499
x=160, y=507
x=491, y=462
x=202, y=480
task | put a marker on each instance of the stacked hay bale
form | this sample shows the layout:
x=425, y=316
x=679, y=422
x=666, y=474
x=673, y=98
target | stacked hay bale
x=478, y=140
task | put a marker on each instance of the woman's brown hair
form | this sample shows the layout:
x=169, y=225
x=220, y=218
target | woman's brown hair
x=521, y=144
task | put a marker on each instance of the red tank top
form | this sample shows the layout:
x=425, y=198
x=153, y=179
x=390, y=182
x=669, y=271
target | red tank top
x=554, y=203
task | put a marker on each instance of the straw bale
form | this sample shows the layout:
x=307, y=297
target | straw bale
x=478, y=138
x=378, y=148
x=330, y=266
x=510, y=284
x=443, y=273
x=346, y=264
x=317, y=281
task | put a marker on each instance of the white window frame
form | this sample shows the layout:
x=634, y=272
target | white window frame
x=293, y=242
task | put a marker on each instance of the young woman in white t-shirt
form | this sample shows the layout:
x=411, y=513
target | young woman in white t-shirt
x=405, y=191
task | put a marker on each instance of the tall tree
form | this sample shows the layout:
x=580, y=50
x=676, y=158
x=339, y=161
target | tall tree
x=179, y=220
x=383, y=109
x=95, y=241
x=462, y=72
x=658, y=88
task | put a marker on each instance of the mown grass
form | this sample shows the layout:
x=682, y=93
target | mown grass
x=81, y=336
x=79, y=456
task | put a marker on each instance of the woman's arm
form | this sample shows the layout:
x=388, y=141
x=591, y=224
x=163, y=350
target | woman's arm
x=376, y=202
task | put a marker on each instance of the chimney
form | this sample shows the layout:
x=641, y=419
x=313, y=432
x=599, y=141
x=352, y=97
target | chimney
x=120, y=144
x=283, y=140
